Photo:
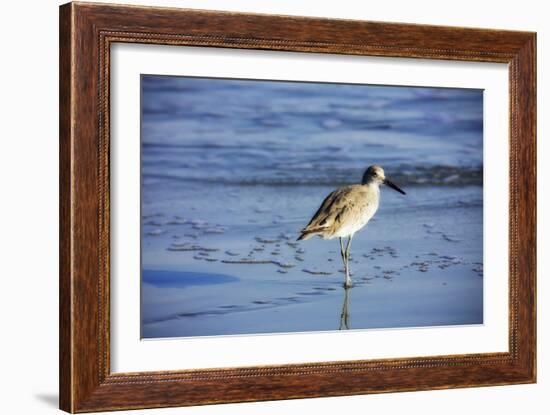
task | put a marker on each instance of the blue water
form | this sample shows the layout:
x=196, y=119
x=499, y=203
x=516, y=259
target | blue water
x=254, y=132
x=170, y=279
x=232, y=169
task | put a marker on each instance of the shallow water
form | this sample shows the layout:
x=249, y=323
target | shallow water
x=233, y=169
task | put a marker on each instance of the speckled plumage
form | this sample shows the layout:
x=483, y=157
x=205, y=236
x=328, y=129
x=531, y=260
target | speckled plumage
x=343, y=212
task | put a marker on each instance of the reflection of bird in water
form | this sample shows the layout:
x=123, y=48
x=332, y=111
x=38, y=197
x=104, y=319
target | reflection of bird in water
x=344, y=316
x=346, y=210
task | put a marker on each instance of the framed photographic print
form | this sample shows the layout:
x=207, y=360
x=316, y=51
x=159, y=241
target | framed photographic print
x=260, y=207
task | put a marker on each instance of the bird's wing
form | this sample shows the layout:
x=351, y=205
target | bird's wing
x=336, y=207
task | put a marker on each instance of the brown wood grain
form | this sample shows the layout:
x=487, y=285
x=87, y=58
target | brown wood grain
x=86, y=33
x=65, y=246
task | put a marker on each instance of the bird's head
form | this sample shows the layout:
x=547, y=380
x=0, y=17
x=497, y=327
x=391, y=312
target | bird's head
x=375, y=174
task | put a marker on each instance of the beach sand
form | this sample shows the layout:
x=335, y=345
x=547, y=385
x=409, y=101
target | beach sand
x=411, y=265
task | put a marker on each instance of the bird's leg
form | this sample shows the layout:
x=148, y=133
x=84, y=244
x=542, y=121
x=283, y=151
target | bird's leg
x=348, y=282
x=343, y=254
x=348, y=247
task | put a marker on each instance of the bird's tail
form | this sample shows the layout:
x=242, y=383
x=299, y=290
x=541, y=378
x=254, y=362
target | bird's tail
x=306, y=234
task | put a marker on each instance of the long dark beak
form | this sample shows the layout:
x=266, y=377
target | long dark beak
x=394, y=186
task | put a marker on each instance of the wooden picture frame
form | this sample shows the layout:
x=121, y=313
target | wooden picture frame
x=86, y=33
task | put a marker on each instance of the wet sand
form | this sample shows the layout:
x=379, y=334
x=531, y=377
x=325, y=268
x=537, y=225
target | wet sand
x=417, y=263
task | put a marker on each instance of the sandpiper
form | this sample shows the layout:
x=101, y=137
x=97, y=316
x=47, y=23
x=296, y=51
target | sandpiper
x=346, y=210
